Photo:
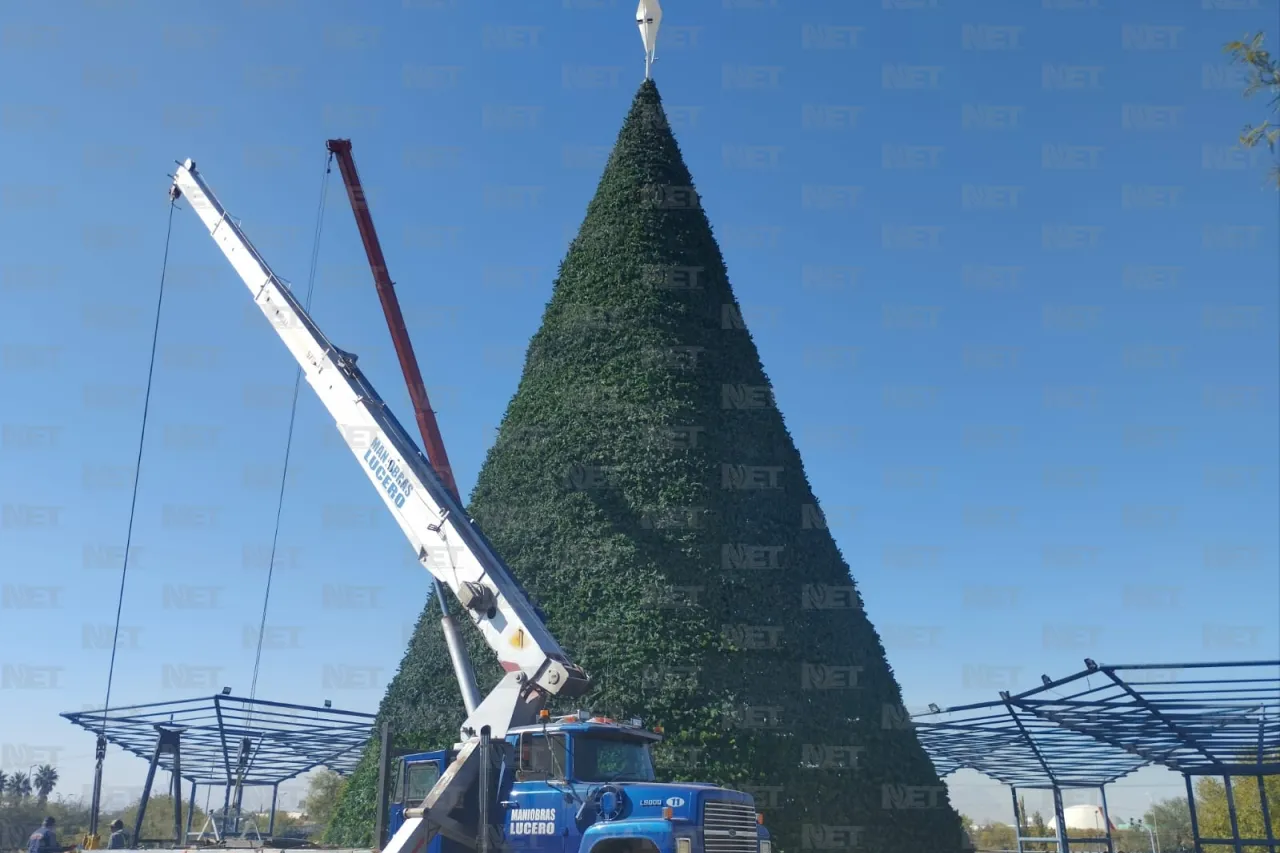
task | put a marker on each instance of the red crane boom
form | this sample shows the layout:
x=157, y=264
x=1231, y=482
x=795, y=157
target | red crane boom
x=432, y=442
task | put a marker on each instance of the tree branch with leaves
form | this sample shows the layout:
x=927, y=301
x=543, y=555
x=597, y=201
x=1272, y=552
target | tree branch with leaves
x=1263, y=75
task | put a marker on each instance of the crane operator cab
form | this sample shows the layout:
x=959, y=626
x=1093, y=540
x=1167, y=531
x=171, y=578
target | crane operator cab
x=584, y=784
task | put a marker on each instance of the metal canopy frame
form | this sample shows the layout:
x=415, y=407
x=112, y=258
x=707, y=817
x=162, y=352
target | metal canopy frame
x=231, y=742
x=1091, y=728
x=288, y=740
x=1222, y=720
x=1008, y=743
x=1015, y=747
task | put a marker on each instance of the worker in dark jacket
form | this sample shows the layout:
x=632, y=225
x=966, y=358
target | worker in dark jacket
x=118, y=840
x=44, y=840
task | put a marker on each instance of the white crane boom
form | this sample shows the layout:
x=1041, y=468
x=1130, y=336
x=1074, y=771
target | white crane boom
x=447, y=543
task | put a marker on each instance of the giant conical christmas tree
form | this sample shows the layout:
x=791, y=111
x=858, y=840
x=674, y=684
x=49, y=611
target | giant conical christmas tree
x=646, y=491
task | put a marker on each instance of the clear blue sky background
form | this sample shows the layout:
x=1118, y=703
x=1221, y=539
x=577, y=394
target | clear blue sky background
x=1109, y=386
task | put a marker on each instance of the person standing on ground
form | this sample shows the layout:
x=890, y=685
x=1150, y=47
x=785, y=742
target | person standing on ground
x=118, y=841
x=44, y=839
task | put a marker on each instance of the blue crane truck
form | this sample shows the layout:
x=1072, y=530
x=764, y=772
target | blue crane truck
x=583, y=783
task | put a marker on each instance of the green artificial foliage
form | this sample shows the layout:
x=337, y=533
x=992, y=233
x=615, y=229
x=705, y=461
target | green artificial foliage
x=646, y=491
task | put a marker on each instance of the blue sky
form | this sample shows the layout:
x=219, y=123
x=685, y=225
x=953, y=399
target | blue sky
x=1014, y=289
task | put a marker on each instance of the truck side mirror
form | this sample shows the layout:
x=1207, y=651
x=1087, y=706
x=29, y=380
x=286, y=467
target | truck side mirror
x=524, y=755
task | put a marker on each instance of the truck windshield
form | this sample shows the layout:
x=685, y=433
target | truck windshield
x=611, y=758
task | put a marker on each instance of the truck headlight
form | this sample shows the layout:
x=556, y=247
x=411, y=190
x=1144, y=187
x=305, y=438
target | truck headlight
x=766, y=846
x=684, y=845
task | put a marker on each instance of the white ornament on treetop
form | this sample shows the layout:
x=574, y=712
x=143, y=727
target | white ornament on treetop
x=649, y=18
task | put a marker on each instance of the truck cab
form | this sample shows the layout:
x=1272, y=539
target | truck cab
x=586, y=784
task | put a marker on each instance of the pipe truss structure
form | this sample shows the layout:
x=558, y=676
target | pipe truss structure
x=232, y=743
x=1091, y=728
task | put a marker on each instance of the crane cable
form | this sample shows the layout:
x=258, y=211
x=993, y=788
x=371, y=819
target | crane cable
x=100, y=750
x=137, y=469
x=284, y=474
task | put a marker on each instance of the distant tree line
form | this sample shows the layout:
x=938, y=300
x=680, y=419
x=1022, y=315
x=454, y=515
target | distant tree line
x=25, y=802
x=16, y=788
x=1167, y=822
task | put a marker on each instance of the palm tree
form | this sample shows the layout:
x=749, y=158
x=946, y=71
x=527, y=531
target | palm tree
x=19, y=787
x=45, y=781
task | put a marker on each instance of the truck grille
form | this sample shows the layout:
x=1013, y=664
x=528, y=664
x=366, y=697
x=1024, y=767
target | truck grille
x=729, y=828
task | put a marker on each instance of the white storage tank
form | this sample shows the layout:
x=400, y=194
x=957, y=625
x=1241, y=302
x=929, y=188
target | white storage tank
x=1084, y=817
